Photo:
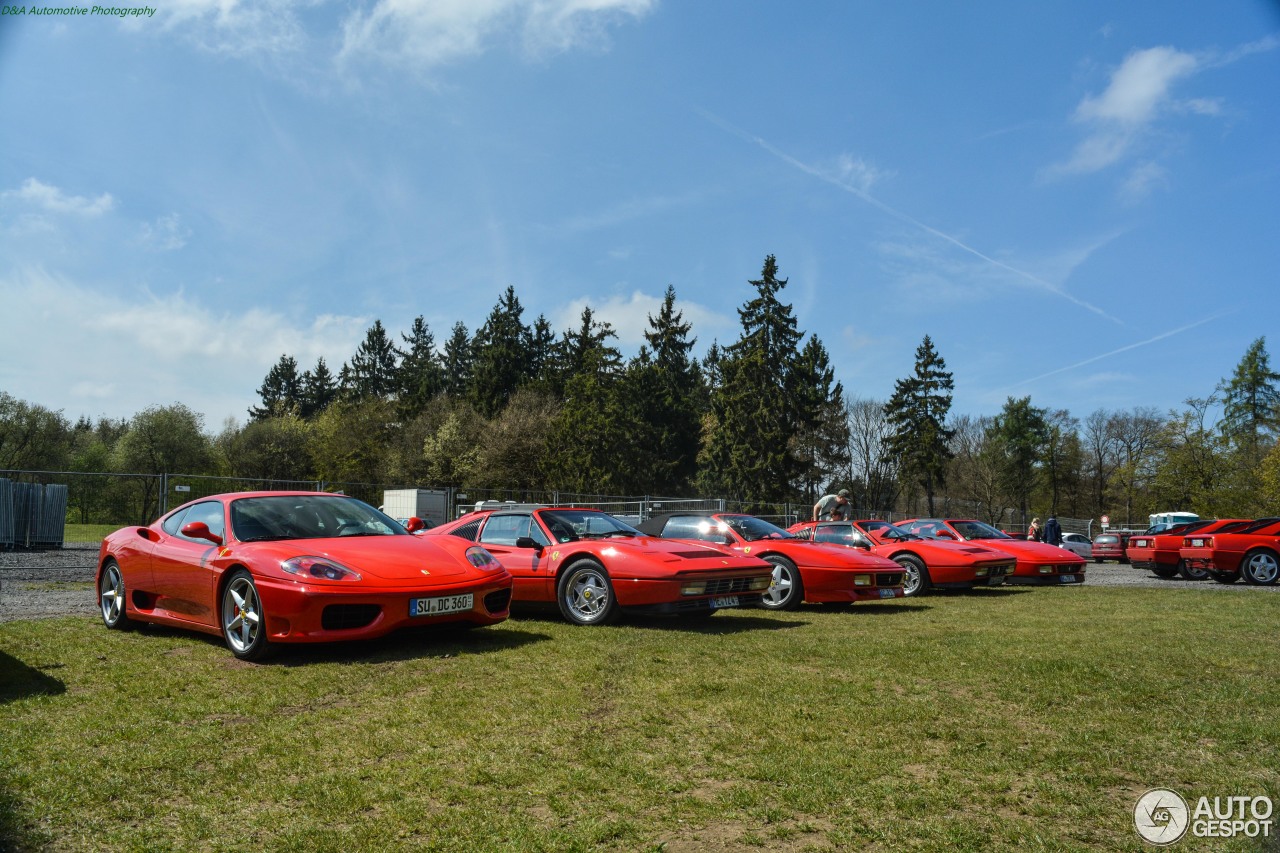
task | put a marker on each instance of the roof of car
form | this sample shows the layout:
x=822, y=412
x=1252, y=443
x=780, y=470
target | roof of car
x=655, y=523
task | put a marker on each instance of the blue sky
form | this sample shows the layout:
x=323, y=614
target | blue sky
x=1078, y=201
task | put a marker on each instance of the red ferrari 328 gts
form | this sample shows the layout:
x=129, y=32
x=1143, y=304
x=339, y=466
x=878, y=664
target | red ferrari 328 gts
x=262, y=568
x=593, y=566
x=1037, y=562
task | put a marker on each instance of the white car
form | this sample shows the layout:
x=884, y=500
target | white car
x=1078, y=543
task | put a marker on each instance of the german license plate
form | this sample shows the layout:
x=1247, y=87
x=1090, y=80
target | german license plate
x=995, y=580
x=438, y=606
x=724, y=601
x=887, y=593
x=1066, y=578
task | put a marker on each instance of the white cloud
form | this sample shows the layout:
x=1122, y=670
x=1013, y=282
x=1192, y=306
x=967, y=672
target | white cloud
x=629, y=316
x=1139, y=87
x=1142, y=181
x=49, y=199
x=166, y=234
x=70, y=347
x=238, y=28
x=423, y=34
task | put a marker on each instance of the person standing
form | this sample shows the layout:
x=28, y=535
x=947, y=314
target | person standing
x=1052, y=531
x=1033, y=532
x=832, y=507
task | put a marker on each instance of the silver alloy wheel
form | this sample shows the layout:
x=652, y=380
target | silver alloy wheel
x=780, y=587
x=241, y=614
x=911, y=579
x=587, y=594
x=1261, y=568
x=111, y=595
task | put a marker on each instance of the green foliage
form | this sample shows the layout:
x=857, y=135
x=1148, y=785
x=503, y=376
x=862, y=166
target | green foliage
x=277, y=448
x=452, y=451
x=349, y=438
x=281, y=391
x=31, y=436
x=372, y=371
x=459, y=362
x=917, y=413
x=420, y=376
x=501, y=355
x=513, y=449
x=1020, y=434
x=319, y=389
x=1251, y=400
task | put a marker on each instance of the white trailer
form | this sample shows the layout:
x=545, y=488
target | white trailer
x=430, y=505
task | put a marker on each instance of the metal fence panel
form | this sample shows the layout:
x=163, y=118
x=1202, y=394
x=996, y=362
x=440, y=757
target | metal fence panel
x=6, y=513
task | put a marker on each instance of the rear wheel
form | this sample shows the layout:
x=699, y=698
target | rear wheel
x=1189, y=573
x=915, y=576
x=786, y=590
x=111, y=597
x=1260, y=568
x=585, y=594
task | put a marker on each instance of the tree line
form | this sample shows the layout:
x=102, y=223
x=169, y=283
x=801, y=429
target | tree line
x=760, y=420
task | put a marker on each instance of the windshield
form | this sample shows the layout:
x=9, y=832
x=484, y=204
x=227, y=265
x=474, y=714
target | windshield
x=276, y=517
x=568, y=525
x=885, y=530
x=978, y=530
x=751, y=528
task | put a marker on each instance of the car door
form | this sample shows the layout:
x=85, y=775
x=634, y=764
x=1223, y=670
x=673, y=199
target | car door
x=181, y=576
x=528, y=566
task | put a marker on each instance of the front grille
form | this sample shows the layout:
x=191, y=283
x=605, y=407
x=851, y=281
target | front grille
x=343, y=617
x=888, y=578
x=497, y=602
x=728, y=586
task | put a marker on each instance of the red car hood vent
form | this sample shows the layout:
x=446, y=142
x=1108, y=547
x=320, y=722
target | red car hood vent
x=976, y=550
x=699, y=555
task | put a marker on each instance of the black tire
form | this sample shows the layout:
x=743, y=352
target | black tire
x=786, y=590
x=112, y=598
x=915, y=578
x=1190, y=574
x=585, y=594
x=1164, y=571
x=1099, y=560
x=243, y=620
x=1225, y=577
x=1260, y=567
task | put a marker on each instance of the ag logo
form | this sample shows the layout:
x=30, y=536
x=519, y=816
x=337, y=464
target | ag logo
x=1161, y=816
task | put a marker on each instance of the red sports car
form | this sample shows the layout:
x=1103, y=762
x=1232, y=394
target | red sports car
x=802, y=570
x=592, y=565
x=927, y=562
x=1251, y=552
x=1037, y=562
x=262, y=568
x=1159, y=552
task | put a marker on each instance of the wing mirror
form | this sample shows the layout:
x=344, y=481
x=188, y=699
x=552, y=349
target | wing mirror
x=414, y=524
x=200, y=530
x=528, y=542
x=944, y=534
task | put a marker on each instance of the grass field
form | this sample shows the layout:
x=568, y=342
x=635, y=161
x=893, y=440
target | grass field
x=996, y=719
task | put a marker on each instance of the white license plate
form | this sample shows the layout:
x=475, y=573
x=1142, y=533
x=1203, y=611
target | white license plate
x=1066, y=578
x=437, y=606
x=995, y=580
x=725, y=601
x=887, y=593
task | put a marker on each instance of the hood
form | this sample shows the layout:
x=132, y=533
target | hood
x=970, y=550
x=830, y=555
x=1032, y=549
x=387, y=557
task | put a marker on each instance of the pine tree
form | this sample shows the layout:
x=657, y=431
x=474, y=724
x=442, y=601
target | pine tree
x=420, y=376
x=281, y=391
x=917, y=413
x=1251, y=400
x=372, y=370
x=458, y=362
x=319, y=389
x=1019, y=434
x=821, y=441
x=501, y=352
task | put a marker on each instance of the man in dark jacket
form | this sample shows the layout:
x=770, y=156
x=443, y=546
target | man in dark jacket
x=1052, y=531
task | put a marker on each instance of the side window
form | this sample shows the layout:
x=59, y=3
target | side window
x=806, y=533
x=504, y=529
x=174, y=523
x=695, y=527
x=838, y=535
x=210, y=512
x=469, y=531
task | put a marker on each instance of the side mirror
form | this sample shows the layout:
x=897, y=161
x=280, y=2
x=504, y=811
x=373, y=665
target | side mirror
x=528, y=542
x=414, y=524
x=200, y=530
x=945, y=534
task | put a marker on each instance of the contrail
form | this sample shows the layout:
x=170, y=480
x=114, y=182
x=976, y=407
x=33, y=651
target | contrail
x=1091, y=360
x=897, y=214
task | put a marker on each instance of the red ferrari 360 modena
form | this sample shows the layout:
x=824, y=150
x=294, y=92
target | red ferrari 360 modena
x=1251, y=552
x=592, y=565
x=1037, y=562
x=262, y=568
x=802, y=570
x=1159, y=552
x=927, y=562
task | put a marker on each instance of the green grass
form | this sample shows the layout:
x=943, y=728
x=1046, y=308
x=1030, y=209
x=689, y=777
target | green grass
x=998, y=719
x=88, y=532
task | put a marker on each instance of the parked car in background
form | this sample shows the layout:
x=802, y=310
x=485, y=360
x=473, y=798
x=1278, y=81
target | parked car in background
x=802, y=570
x=593, y=566
x=1252, y=552
x=1160, y=552
x=1037, y=562
x=1110, y=545
x=1078, y=544
x=264, y=568
x=928, y=563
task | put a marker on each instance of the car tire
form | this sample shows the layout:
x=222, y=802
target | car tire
x=244, y=622
x=1225, y=577
x=1164, y=571
x=112, y=598
x=585, y=594
x=1260, y=568
x=915, y=578
x=1191, y=574
x=786, y=590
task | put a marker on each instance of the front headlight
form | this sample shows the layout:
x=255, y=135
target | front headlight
x=863, y=580
x=694, y=588
x=981, y=573
x=320, y=568
x=762, y=583
x=482, y=559
x=1046, y=570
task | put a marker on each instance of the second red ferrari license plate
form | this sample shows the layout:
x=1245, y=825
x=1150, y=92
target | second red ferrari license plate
x=444, y=604
x=727, y=601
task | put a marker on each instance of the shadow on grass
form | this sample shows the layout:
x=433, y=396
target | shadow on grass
x=985, y=592
x=18, y=681
x=407, y=644
x=713, y=625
